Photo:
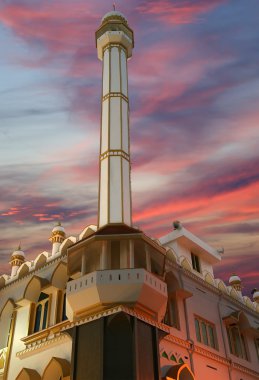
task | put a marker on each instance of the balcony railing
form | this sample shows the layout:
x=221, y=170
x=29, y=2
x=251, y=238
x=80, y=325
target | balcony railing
x=118, y=276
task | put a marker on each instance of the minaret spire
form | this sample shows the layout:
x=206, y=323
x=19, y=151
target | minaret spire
x=114, y=40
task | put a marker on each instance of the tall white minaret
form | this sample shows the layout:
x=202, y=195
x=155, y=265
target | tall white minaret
x=114, y=41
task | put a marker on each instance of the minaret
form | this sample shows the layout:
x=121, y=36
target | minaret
x=17, y=259
x=114, y=41
x=235, y=282
x=57, y=237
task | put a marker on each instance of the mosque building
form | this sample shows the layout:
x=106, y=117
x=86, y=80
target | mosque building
x=112, y=303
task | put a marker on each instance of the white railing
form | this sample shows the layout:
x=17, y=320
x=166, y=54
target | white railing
x=117, y=276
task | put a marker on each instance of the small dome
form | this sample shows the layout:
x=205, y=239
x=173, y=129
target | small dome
x=59, y=228
x=234, y=279
x=114, y=15
x=18, y=252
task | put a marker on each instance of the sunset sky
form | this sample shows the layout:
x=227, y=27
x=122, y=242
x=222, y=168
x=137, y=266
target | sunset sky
x=194, y=99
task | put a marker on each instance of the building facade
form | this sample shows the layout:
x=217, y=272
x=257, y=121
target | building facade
x=112, y=303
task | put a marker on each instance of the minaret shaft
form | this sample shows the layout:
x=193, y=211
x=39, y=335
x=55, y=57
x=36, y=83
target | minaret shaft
x=114, y=185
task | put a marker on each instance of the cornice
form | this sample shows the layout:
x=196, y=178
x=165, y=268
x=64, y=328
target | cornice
x=43, y=344
x=115, y=310
x=34, y=271
x=211, y=287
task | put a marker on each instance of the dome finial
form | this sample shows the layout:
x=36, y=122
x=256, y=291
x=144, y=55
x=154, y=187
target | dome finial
x=114, y=6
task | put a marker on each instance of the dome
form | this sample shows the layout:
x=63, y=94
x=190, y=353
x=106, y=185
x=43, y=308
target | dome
x=58, y=228
x=114, y=15
x=18, y=252
x=234, y=279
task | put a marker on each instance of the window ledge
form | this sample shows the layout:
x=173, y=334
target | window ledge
x=44, y=335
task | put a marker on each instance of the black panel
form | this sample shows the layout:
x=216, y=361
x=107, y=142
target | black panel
x=147, y=352
x=88, y=352
x=118, y=348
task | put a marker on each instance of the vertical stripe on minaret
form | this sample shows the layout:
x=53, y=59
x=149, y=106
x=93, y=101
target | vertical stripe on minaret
x=114, y=43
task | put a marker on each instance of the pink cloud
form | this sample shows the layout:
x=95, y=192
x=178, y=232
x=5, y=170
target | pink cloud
x=178, y=12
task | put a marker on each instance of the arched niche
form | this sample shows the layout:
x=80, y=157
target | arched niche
x=33, y=290
x=209, y=278
x=66, y=244
x=233, y=293
x=28, y=374
x=59, y=276
x=41, y=260
x=5, y=322
x=180, y=372
x=3, y=280
x=119, y=338
x=221, y=286
x=171, y=255
x=57, y=369
x=185, y=263
x=23, y=270
x=248, y=302
x=87, y=231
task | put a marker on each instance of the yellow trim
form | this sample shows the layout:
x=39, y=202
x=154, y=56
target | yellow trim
x=10, y=345
x=115, y=94
x=114, y=153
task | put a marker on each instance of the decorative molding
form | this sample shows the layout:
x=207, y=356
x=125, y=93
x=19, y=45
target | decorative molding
x=42, y=340
x=114, y=153
x=213, y=288
x=36, y=270
x=115, y=94
x=209, y=354
x=116, y=310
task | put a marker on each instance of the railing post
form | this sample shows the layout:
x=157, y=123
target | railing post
x=104, y=257
x=83, y=264
x=131, y=253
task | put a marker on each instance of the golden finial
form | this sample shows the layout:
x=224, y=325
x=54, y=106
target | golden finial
x=114, y=6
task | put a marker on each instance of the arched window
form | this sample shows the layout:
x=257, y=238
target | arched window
x=61, y=306
x=236, y=341
x=57, y=369
x=41, y=313
x=6, y=323
x=236, y=325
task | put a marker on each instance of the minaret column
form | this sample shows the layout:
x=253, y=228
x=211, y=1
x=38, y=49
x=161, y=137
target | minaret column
x=114, y=44
x=57, y=237
x=17, y=259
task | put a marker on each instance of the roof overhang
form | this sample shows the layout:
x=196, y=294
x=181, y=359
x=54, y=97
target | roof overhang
x=193, y=243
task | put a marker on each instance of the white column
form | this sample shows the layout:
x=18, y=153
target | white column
x=14, y=270
x=104, y=256
x=114, y=47
x=55, y=247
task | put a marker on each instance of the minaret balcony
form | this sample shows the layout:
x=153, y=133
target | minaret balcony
x=99, y=290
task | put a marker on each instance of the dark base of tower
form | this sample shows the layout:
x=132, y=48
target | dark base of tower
x=117, y=347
